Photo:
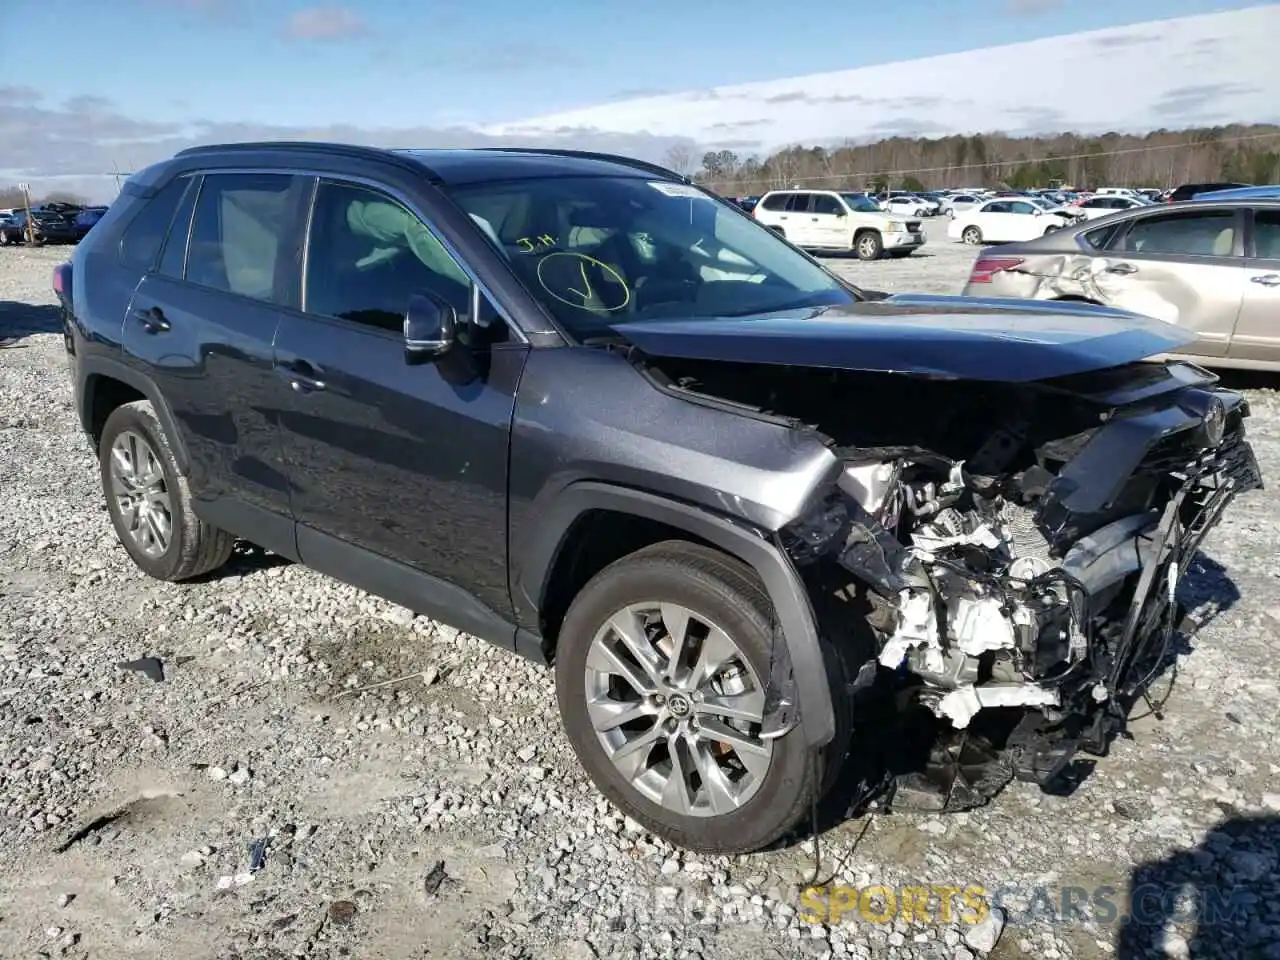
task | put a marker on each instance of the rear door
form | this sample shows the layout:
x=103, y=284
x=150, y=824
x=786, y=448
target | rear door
x=796, y=222
x=993, y=220
x=1182, y=267
x=203, y=323
x=1257, y=333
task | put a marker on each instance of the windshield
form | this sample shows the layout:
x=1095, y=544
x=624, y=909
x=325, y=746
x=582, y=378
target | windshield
x=860, y=203
x=596, y=251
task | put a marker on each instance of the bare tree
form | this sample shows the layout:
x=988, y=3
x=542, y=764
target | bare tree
x=679, y=158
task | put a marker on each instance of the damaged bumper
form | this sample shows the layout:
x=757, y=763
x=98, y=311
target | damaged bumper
x=1046, y=584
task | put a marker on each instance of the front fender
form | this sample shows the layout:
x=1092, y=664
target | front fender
x=786, y=590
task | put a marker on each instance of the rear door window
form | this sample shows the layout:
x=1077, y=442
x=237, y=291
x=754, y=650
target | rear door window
x=241, y=220
x=799, y=203
x=174, y=256
x=1266, y=234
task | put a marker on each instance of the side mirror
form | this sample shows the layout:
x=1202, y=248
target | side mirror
x=1037, y=212
x=840, y=212
x=430, y=329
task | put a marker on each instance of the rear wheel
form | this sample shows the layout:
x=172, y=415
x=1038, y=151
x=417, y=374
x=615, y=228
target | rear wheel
x=149, y=500
x=868, y=245
x=660, y=677
x=971, y=236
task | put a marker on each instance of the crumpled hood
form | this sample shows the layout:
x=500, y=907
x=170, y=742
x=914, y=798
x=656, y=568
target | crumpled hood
x=969, y=338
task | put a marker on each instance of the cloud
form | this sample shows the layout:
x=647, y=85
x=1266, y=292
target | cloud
x=76, y=145
x=1202, y=103
x=1123, y=41
x=20, y=95
x=325, y=23
x=1029, y=8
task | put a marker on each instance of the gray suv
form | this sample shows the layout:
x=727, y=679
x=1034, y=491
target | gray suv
x=578, y=406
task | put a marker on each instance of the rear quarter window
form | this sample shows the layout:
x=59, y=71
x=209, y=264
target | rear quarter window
x=145, y=233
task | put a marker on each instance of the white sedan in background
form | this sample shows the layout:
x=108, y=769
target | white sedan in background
x=1105, y=204
x=958, y=203
x=907, y=206
x=1005, y=220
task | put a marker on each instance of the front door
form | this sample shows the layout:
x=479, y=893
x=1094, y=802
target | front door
x=829, y=222
x=1257, y=333
x=204, y=322
x=404, y=462
x=1185, y=268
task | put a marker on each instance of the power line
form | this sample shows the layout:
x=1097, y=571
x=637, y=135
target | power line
x=1001, y=163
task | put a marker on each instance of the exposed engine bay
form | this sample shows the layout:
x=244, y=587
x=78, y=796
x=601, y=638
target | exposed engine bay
x=1014, y=548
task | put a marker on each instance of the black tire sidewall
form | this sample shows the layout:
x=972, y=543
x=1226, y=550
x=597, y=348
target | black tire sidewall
x=771, y=811
x=129, y=417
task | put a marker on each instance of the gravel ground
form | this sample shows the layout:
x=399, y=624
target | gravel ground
x=444, y=815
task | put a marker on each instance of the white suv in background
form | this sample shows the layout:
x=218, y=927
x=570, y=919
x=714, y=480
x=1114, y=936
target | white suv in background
x=836, y=220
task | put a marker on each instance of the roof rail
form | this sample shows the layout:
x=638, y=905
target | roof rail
x=302, y=146
x=350, y=150
x=594, y=155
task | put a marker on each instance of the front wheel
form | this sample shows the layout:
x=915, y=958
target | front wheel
x=971, y=236
x=868, y=246
x=660, y=677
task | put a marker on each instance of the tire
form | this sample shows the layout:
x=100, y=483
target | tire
x=718, y=590
x=868, y=245
x=971, y=236
x=190, y=547
x=1050, y=229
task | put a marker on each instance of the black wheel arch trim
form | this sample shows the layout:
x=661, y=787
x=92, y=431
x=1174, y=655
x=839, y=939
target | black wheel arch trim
x=786, y=590
x=99, y=366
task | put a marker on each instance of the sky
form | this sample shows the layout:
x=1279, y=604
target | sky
x=417, y=72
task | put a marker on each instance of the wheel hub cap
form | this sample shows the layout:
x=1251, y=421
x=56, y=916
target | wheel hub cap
x=140, y=494
x=677, y=709
x=678, y=705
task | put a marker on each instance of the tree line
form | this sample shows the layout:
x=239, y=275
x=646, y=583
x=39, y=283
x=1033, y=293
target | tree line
x=12, y=197
x=1243, y=153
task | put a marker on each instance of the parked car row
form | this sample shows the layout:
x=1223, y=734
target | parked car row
x=61, y=224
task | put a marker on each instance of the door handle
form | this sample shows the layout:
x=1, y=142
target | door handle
x=1267, y=279
x=1123, y=269
x=303, y=376
x=152, y=319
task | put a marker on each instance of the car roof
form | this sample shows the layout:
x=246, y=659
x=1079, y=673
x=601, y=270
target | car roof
x=457, y=166
x=1269, y=192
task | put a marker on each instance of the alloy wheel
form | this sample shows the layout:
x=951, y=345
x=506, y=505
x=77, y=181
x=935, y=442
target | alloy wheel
x=141, y=494
x=678, y=709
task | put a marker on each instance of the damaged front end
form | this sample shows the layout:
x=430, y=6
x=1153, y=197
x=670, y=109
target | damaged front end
x=1036, y=570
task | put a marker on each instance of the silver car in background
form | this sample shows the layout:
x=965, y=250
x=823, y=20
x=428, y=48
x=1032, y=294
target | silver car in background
x=1210, y=266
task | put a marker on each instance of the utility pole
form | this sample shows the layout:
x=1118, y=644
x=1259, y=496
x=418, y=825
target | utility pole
x=26, y=201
